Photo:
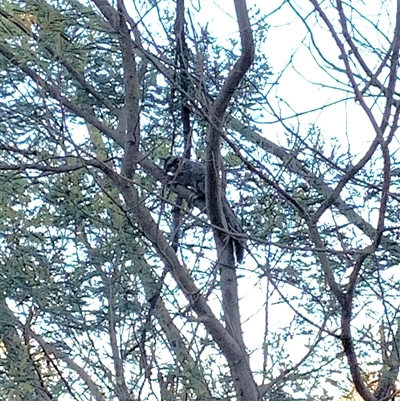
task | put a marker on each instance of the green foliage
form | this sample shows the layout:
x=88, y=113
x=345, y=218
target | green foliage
x=90, y=307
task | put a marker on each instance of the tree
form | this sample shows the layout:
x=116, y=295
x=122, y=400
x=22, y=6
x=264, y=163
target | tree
x=118, y=284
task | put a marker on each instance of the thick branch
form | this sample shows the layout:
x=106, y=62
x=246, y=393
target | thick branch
x=243, y=381
x=348, y=346
x=131, y=83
